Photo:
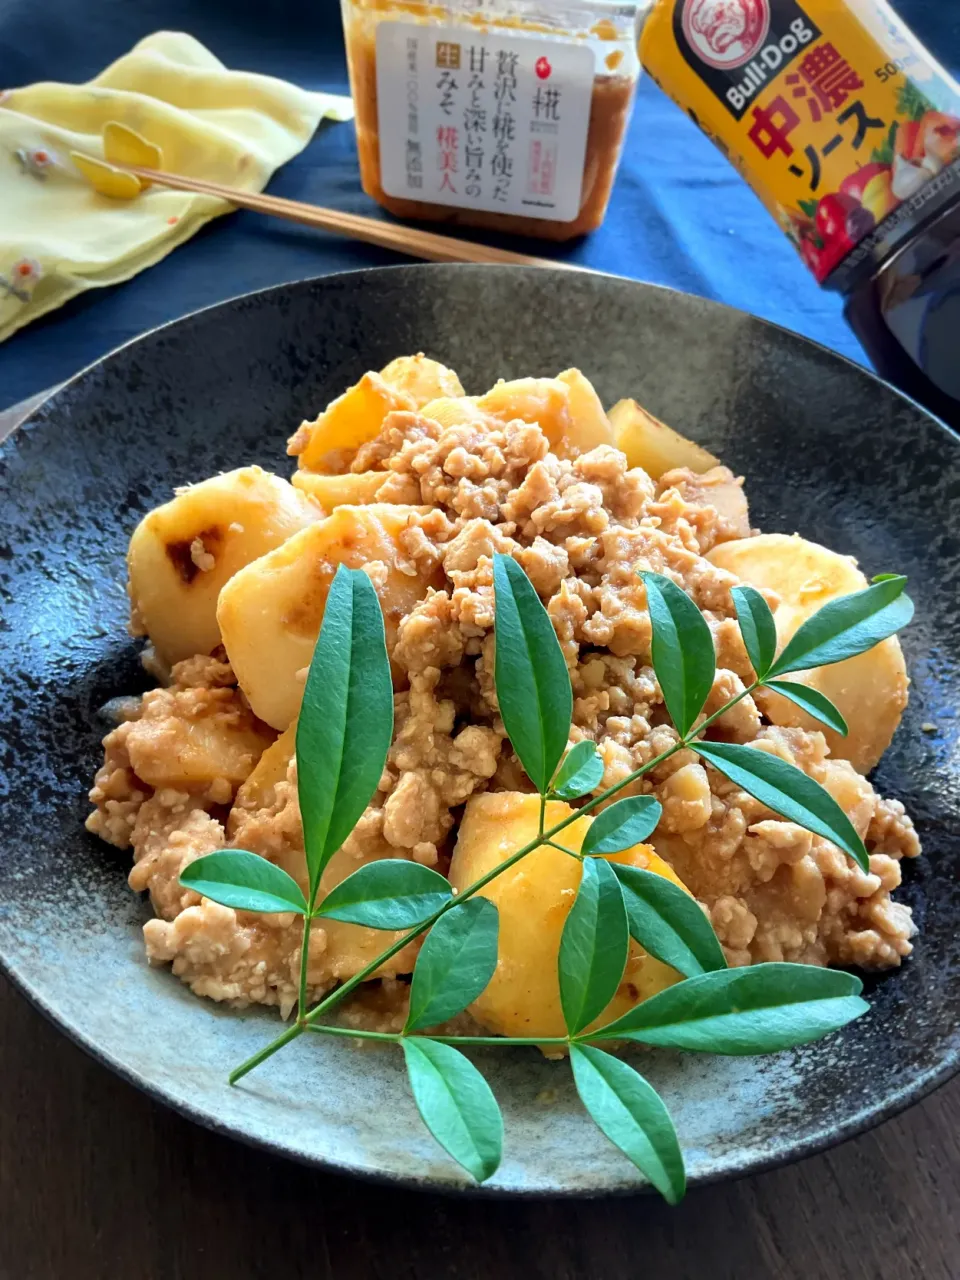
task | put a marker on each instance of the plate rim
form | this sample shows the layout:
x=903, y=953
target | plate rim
x=862, y=1122
x=560, y=273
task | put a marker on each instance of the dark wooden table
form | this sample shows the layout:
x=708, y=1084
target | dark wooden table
x=97, y=1180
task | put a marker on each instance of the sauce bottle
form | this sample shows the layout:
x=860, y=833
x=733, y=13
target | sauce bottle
x=849, y=132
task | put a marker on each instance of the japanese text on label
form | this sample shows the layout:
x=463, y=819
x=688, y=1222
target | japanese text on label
x=483, y=121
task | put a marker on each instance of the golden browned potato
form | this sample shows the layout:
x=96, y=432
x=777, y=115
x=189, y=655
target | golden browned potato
x=566, y=408
x=589, y=425
x=256, y=792
x=544, y=401
x=327, y=443
x=421, y=378
x=454, y=411
x=652, y=445
x=354, y=489
x=534, y=899
x=270, y=613
x=182, y=553
x=871, y=689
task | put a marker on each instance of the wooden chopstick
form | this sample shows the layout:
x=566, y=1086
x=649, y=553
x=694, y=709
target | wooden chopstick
x=426, y=245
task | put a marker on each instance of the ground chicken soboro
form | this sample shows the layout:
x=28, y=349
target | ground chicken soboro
x=179, y=777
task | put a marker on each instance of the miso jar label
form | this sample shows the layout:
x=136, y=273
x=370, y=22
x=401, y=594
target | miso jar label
x=483, y=121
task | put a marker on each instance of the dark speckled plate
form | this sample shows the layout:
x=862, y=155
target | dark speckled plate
x=828, y=451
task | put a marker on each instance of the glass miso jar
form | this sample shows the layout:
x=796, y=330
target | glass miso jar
x=504, y=114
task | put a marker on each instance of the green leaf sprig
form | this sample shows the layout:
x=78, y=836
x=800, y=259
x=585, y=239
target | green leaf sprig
x=593, y=946
x=343, y=735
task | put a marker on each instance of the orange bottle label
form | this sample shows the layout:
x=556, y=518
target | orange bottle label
x=841, y=121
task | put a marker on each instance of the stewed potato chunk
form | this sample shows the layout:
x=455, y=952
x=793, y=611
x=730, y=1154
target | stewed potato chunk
x=566, y=408
x=652, y=445
x=589, y=425
x=327, y=444
x=409, y=382
x=354, y=489
x=870, y=690
x=534, y=899
x=270, y=614
x=182, y=553
x=421, y=378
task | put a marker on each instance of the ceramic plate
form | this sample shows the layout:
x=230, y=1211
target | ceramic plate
x=827, y=450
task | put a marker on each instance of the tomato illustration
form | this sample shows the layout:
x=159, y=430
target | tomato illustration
x=543, y=68
x=811, y=256
x=832, y=213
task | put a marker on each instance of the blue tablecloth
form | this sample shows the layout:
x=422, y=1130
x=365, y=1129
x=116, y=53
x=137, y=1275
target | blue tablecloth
x=679, y=214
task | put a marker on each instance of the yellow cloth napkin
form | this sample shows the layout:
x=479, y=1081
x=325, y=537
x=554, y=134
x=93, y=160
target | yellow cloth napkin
x=58, y=236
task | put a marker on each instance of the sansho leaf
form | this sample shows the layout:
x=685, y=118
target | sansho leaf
x=788, y=791
x=622, y=825
x=757, y=627
x=761, y=1008
x=847, y=626
x=456, y=1104
x=533, y=685
x=346, y=719
x=581, y=771
x=390, y=893
x=631, y=1113
x=668, y=923
x=455, y=963
x=245, y=881
x=593, y=946
x=682, y=650
x=812, y=701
